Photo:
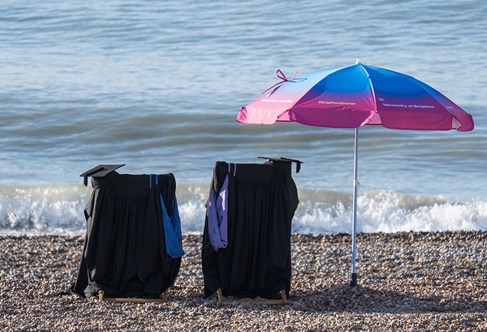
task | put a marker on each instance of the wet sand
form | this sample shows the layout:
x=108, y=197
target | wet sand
x=407, y=282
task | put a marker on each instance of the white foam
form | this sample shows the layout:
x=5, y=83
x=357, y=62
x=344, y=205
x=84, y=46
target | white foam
x=391, y=212
x=192, y=216
x=43, y=209
x=59, y=210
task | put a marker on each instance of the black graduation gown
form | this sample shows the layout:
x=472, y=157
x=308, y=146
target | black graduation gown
x=262, y=199
x=124, y=252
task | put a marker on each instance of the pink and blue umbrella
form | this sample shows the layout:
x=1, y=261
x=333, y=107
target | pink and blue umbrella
x=355, y=96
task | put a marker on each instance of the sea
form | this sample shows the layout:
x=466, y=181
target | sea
x=157, y=85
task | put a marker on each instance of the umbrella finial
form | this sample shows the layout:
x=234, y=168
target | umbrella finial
x=357, y=61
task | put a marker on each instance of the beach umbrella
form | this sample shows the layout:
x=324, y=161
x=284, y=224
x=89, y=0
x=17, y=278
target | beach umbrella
x=355, y=96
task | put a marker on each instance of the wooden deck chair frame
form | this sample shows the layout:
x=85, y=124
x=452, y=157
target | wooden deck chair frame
x=137, y=300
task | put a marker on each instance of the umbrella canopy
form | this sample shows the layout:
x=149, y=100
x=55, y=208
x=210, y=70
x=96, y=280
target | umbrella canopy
x=354, y=96
x=357, y=95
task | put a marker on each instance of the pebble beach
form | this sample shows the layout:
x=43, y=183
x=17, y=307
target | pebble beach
x=407, y=282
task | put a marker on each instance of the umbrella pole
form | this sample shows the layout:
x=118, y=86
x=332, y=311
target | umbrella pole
x=353, y=282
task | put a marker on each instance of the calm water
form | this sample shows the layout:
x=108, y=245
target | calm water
x=157, y=86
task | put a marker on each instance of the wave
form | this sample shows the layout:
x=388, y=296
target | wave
x=43, y=209
x=58, y=209
x=331, y=212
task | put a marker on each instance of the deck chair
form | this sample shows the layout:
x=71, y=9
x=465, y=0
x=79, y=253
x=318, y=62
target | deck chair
x=246, y=250
x=133, y=246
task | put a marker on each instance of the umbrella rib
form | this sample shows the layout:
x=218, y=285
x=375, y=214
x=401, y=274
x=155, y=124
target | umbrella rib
x=371, y=86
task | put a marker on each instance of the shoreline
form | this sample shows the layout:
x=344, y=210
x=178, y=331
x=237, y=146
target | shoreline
x=407, y=281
